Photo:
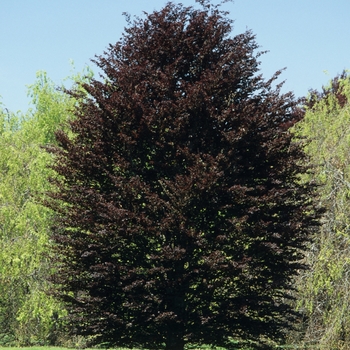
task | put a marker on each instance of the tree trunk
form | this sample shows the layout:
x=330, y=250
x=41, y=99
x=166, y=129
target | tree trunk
x=174, y=340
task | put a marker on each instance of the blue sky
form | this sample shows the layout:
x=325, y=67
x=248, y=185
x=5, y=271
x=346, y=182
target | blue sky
x=308, y=37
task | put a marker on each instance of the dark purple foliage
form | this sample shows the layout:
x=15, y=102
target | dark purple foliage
x=335, y=89
x=180, y=214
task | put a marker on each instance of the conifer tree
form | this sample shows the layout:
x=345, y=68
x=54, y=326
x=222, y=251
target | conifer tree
x=180, y=214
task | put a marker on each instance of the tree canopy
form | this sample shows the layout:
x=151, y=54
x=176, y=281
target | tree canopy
x=25, y=309
x=28, y=316
x=324, y=288
x=181, y=216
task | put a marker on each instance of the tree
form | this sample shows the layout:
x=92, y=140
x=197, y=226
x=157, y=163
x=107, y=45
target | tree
x=180, y=215
x=324, y=288
x=27, y=313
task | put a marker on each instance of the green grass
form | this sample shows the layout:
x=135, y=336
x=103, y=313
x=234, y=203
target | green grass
x=62, y=348
x=72, y=348
x=34, y=348
x=46, y=348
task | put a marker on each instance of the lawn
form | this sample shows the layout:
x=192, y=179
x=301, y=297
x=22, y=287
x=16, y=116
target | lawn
x=61, y=348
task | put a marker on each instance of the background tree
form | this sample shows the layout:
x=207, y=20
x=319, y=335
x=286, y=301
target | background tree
x=180, y=214
x=324, y=288
x=28, y=315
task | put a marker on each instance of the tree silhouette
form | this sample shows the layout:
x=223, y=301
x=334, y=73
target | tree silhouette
x=180, y=214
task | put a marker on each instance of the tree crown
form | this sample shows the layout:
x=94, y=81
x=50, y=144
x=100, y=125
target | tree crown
x=184, y=219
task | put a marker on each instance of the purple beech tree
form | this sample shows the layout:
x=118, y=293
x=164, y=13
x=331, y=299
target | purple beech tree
x=181, y=217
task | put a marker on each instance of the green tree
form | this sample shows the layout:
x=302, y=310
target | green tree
x=181, y=217
x=324, y=288
x=27, y=314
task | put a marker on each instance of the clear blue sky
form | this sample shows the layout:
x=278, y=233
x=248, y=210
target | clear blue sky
x=308, y=37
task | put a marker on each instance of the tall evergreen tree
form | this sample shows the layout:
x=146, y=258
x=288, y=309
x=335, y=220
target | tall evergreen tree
x=180, y=214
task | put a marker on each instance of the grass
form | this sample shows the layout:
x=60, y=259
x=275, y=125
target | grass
x=62, y=348
x=285, y=347
x=46, y=348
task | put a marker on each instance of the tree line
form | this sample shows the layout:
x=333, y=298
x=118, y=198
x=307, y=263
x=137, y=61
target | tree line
x=183, y=199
